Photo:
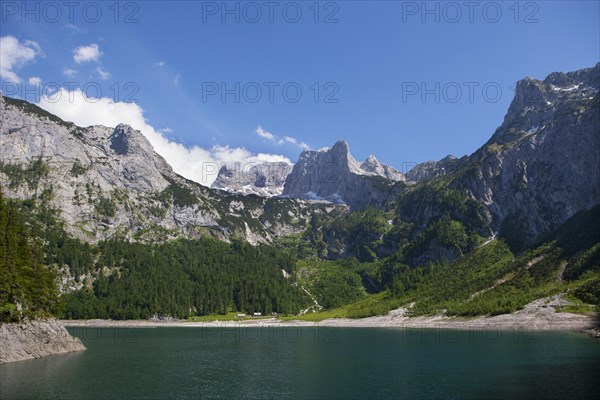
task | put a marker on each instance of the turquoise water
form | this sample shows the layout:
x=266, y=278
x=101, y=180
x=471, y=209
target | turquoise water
x=311, y=363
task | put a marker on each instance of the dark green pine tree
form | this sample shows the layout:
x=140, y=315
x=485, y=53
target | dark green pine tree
x=27, y=287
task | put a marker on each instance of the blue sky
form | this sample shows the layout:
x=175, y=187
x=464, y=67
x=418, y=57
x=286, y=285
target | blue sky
x=370, y=61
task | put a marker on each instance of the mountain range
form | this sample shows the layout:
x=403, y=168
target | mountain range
x=538, y=169
x=539, y=172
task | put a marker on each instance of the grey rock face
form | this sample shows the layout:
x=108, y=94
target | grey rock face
x=102, y=180
x=336, y=176
x=35, y=339
x=263, y=179
x=542, y=165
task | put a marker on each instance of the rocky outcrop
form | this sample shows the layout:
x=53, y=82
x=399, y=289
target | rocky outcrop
x=334, y=175
x=262, y=179
x=35, y=339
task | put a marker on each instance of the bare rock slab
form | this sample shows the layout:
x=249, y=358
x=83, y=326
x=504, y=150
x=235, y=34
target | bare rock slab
x=35, y=339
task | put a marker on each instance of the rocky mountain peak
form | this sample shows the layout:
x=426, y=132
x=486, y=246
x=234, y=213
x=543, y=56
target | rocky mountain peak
x=341, y=156
x=590, y=77
x=537, y=103
x=560, y=79
x=341, y=146
x=371, y=164
x=541, y=164
x=448, y=158
x=335, y=175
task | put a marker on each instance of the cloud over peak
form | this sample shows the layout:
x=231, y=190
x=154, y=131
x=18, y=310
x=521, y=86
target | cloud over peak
x=193, y=162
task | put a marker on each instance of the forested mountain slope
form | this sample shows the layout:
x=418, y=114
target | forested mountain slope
x=128, y=238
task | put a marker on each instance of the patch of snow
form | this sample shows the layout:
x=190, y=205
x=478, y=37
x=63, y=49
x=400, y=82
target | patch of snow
x=569, y=89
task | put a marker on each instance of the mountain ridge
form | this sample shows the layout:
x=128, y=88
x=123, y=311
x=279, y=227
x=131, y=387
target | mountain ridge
x=517, y=178
x=107, y=180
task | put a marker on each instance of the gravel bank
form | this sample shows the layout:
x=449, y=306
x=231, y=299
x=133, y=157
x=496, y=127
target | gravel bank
x=539, y=315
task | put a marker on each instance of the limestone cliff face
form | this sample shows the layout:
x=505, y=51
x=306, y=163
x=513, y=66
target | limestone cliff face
x=334, y=175
x=35, y=339
x=542, y=165
x=102, y=180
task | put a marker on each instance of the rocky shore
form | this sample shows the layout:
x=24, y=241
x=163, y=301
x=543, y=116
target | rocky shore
x=594, y=332
x=35, y=339
x=541, y=319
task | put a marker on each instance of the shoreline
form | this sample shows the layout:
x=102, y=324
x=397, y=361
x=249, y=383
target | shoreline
x=519, y=321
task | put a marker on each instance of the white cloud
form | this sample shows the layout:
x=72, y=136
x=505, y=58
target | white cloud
x=14, y=55
x=260, y=131
x=195, y=163
x=69, y=72
x=74, y=28
x=34, y=80
x=87, y=53
x=160, y=63
x=102, y=73
x=264, y=134
x=289, y=139
x=177, y=79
